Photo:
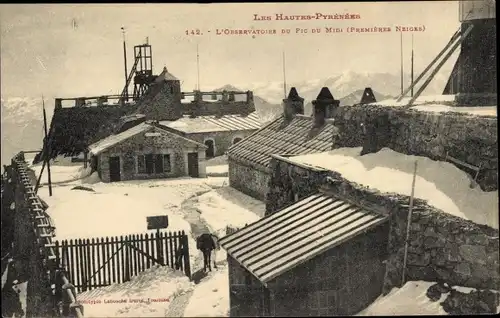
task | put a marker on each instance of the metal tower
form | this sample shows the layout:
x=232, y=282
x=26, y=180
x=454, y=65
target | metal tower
x=142, y=71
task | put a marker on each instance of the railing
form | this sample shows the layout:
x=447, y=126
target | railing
x=223, y=96
x=43, y=252
x=91, y=101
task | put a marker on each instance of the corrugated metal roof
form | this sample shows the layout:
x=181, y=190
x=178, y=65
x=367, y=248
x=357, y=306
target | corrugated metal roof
x=296, y=234
x=202, y=124
x=277, y=137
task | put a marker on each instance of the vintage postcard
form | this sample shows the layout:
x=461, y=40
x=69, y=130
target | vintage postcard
x=249, y=159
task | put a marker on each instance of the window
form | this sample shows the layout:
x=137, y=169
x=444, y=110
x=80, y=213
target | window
x=153, y=163
x=235, y=140
x=141, y=164
x=166, y=164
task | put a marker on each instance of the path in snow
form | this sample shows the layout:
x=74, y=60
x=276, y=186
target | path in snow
x=198, y=226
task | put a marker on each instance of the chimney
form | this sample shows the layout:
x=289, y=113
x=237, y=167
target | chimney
x=368, y=97
x=293, y=104
x=324, y=106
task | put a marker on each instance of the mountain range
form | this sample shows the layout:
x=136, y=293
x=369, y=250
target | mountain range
x=22, y=124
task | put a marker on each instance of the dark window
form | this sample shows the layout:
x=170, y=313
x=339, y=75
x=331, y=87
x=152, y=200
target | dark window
x=141, y=164
x=235, y=140
x=159, y=163
x=167, y=167
x=172, y=90
x=150, y=167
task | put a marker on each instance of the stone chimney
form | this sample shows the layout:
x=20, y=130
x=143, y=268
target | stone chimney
x=324, y=106
x=293, y=104
x=368, y=97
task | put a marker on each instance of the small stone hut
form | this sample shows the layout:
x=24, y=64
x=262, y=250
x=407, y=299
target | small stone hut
x=147, y=151
x=320, y=256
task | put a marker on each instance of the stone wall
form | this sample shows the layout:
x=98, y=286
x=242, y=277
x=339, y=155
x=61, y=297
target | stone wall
x=442, y=247
x=248, y=180
x=163, y=102
x=223, y=139
x=472, y=139
x=290, y=182
x=139, y=144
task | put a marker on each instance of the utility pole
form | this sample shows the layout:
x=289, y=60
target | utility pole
x=284, y=75
x=412, y=65
x=125, y=61
x=198, y=64
x=401, y=49
x=47, y=144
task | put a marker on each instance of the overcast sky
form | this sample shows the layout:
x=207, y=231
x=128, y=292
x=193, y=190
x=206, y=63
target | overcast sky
x=74, y=50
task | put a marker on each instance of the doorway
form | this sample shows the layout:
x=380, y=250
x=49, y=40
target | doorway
x=210, y=152
x=193, y=168
x=114, y=169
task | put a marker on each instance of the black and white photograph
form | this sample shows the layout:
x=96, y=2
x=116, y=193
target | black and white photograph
x=249, y=159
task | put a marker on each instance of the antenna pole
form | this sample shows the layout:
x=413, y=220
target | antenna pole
x=411, y=65
x=125, y=61
x=401, y=49
x=47, y=144
x=198, y=65
x=284, y=75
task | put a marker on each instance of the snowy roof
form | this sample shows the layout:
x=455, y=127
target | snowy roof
x=113, y=140
x=440, y=104
x=283, y=240
x=440, y=183
x=202, y=124
x=279, y=137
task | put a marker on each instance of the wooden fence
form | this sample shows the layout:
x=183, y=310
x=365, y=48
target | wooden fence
x=99, y=262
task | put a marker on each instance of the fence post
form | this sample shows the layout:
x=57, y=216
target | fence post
x=159, y=247
x=187, y=266
x=127, y=260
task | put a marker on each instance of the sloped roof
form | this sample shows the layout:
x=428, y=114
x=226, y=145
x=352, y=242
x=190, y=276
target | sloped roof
x=279, y=137
x=283, y=240
x=200, y=124
x=113, y=140
x=165, y=75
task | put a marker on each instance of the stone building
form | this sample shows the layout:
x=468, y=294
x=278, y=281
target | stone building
x=146, y=151
x=218, y=133
x=217, y=119
x=291, y=133
x=320, y=256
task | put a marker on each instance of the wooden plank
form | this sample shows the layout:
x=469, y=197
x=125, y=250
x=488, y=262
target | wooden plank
x=171, y=248
x=72, y=263
x=81, y=261
x=462, y=163
x=121, y=262
x=146, y=243
x=113, y=264
x=88, y=262
x=105, y=251
x=142, y=263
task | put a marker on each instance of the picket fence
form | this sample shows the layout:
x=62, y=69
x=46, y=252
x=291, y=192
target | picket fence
x=99, y=262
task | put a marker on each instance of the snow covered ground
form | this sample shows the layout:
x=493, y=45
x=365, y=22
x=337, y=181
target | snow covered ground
x=147, y=295
x=220, y=170
x=121, y=208
x=210, y=298
x=411, y=299
x=219, y=212
x=442, y=184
